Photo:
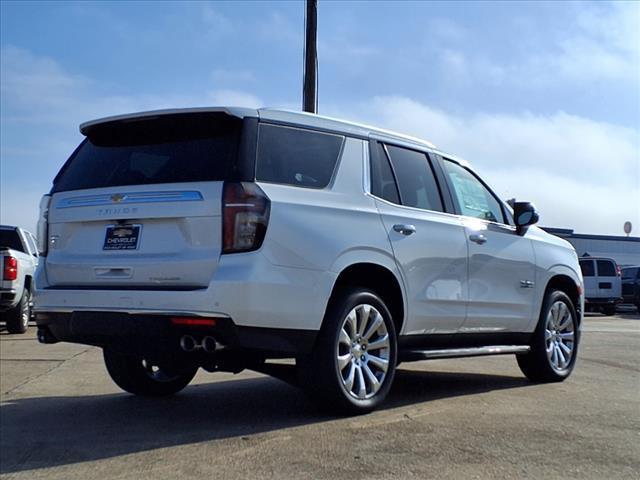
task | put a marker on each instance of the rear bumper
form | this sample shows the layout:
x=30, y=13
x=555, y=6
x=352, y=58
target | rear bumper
x=246, y=287
x=154, y=333
x=603, y=301
x=8, y=298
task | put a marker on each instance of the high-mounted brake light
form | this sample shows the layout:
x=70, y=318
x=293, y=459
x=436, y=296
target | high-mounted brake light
x=10, y=270
x=200, y=322
x=245, y=212
x=42, y=232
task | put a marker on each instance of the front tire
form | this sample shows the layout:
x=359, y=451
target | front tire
x=554, y=347
x=18, y=317
x=352, y=366
x=140, y=376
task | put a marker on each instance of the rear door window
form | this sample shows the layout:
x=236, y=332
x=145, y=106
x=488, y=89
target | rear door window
x=416, y=180
x=606, y=268
x=163, y=149
x=295, y=156
x=587, y=268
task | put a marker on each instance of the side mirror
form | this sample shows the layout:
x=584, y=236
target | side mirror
x=524, y=214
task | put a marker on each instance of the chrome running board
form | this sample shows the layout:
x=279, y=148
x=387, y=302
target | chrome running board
x=415, y=355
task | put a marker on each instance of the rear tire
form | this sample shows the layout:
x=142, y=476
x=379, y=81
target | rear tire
x=554, y=347
x=352, y=366
x=137, y=375
x=18, y=317
x=609, y=310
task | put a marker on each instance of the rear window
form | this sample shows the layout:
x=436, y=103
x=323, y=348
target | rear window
x=606, y=268
x=587, y=268
x=629, y=273
x=164, y=149
x=9, y=238
x=293, y=156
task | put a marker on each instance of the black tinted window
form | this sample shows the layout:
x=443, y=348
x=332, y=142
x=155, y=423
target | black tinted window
x=587, y=268
x=606, y=268
x=474, y=199
x=293, y=156
x=629, y=273
x=9, y=238
x=166, y=149
x=416, y=181
x=383, y=185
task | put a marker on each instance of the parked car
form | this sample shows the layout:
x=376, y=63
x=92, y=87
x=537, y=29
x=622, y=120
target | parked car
x=18, y=260
x=222, y=238
x=602, y=284
x=631, y=285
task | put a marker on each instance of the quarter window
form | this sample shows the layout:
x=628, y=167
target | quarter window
x=474, y=198
x=383, y=185
x=294, y=156
x=416, y=181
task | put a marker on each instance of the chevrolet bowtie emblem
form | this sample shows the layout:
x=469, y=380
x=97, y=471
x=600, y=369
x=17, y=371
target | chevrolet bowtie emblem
x=118, y=197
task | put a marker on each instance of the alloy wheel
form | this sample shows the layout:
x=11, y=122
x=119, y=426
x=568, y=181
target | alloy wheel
x=560, y=336
x=363, y=352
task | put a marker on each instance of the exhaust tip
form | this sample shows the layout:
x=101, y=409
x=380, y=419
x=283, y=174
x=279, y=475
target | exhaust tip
x=188, y=343
x=209, y=344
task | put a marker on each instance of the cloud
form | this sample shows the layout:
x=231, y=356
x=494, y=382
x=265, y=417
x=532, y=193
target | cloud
x=601, y=43
x=42, y=105
x=225, y=76
x=581, y=173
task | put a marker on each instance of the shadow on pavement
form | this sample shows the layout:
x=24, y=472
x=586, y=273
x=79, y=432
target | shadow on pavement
x=52, y=431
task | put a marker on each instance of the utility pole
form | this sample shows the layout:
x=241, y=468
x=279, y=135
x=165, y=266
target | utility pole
x=309, y=91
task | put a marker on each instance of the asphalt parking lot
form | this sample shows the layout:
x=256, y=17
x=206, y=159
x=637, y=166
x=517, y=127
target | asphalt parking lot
x=62, y=417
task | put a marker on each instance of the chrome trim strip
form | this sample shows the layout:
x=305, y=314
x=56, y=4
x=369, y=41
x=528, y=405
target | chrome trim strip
x=464, y=352
x=141, y=311
x=129, y=197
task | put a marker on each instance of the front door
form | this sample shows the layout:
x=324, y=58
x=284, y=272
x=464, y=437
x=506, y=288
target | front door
x=501, y=263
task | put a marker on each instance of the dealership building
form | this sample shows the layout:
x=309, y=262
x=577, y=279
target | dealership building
x=624, y=250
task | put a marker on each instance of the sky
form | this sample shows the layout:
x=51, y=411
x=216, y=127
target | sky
x=542, y=98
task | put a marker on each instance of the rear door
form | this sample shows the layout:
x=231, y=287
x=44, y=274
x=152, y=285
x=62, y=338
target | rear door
x=429, y=245
x=138, y=204
x=609, y=282
x=589, y=275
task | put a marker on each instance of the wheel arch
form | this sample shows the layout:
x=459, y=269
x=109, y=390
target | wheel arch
x=565, y=284
x=380, y=280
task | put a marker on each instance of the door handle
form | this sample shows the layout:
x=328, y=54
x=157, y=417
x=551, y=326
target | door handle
x=404, y=229
x=478, y=238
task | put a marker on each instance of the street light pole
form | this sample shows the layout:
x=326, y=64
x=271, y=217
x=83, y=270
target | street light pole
x=309, y=92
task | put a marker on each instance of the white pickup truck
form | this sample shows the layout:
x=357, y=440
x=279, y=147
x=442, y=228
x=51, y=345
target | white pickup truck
x=18, y=261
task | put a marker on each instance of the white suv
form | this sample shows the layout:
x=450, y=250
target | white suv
x=222, y=238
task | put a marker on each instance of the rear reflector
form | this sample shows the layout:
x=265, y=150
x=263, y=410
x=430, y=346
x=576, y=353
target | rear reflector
x=203, y=322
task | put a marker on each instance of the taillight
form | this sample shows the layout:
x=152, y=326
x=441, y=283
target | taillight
x=42, y=231
x=10, y=270
x=245, y=212
x=618, y=271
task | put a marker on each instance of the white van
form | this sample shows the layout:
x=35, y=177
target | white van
x=602, y=284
